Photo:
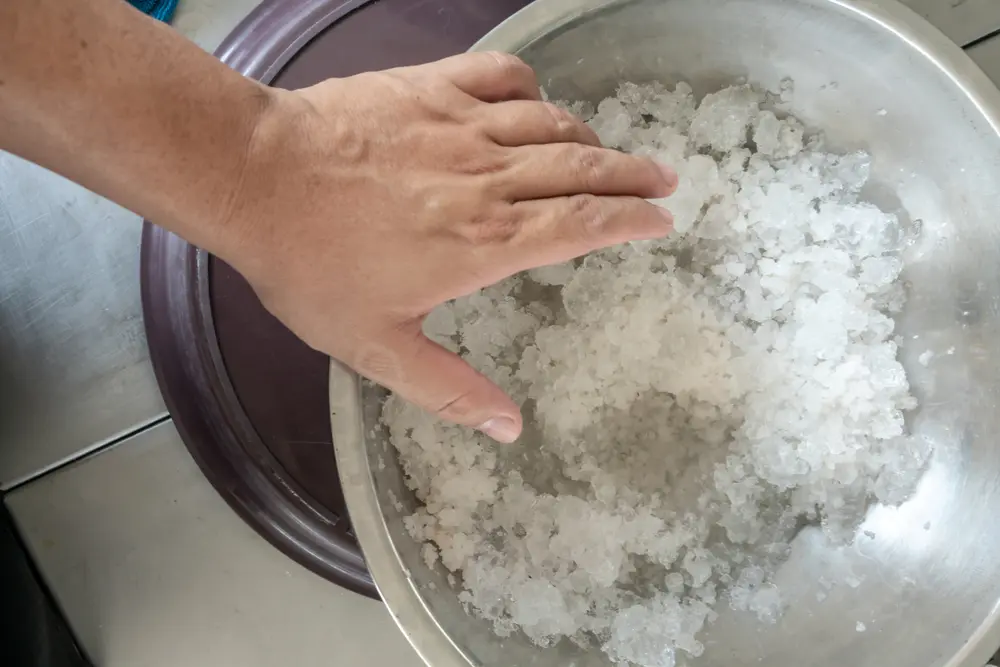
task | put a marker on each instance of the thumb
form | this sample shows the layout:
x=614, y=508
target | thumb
x=429, y=376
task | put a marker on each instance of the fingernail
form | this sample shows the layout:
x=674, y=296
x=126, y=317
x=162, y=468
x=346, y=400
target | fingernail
x=501, y=429
x=669, y=175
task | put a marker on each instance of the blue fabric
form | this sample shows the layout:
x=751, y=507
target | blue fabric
x=162, y=10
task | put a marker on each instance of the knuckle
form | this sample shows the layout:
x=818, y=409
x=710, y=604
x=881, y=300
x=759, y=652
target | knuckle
x=396, y=81
x=585, y=206
x=499, y=231
x=439, y=91
x=589, y=210
x=510, y=65
x=589, y=165
x=348, y=141
x=378, y=362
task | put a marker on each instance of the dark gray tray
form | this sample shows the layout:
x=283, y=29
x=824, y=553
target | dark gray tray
x=249, y=399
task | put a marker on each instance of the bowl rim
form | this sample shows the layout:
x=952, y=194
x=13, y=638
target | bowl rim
x=394, y=582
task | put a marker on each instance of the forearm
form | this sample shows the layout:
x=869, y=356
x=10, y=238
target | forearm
x=121, y=104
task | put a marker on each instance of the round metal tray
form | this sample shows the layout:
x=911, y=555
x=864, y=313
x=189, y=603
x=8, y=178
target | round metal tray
x=248, y=398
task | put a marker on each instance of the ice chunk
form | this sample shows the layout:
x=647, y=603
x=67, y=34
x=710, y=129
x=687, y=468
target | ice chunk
x=692, y=401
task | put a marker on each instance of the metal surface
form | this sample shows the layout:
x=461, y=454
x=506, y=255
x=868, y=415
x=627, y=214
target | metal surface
x=250, y=399
x=74, y=372
x=930, y=576
x=73, y=363
x=153, y=569
x=964, y=21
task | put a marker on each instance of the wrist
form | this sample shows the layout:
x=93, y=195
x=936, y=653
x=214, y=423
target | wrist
x=219, y=217
x=273, y=161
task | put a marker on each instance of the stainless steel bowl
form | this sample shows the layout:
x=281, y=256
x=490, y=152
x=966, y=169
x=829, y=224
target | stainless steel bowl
x=873, y=75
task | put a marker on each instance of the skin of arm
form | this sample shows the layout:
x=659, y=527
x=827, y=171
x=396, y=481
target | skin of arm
x=127, y=108
x=353, y=207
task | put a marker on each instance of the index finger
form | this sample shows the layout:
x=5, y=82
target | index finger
x=556, y=230
x=489, y=76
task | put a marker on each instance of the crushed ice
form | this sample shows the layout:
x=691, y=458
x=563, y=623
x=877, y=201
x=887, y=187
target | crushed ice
x=691, y=401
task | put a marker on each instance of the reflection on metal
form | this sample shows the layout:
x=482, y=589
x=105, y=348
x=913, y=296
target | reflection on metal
x=924, y=579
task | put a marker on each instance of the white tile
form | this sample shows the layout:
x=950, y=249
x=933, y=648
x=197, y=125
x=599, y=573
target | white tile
x=153, y=569
x=987, y=56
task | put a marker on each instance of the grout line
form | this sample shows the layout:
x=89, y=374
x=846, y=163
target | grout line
x=76, y=457
x=985, y=38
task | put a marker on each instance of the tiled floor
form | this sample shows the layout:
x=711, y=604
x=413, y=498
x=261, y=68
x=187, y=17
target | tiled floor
x=153, y=569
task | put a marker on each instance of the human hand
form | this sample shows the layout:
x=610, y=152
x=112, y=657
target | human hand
x=367, y=201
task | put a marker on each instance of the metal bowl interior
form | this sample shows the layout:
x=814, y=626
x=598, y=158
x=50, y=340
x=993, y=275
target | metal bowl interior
x=871, y=75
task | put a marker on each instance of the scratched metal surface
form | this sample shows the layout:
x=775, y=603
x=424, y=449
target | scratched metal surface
x=987, y=56
x=73, y=362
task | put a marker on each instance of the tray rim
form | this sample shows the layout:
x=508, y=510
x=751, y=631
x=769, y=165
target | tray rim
x=187, y=359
